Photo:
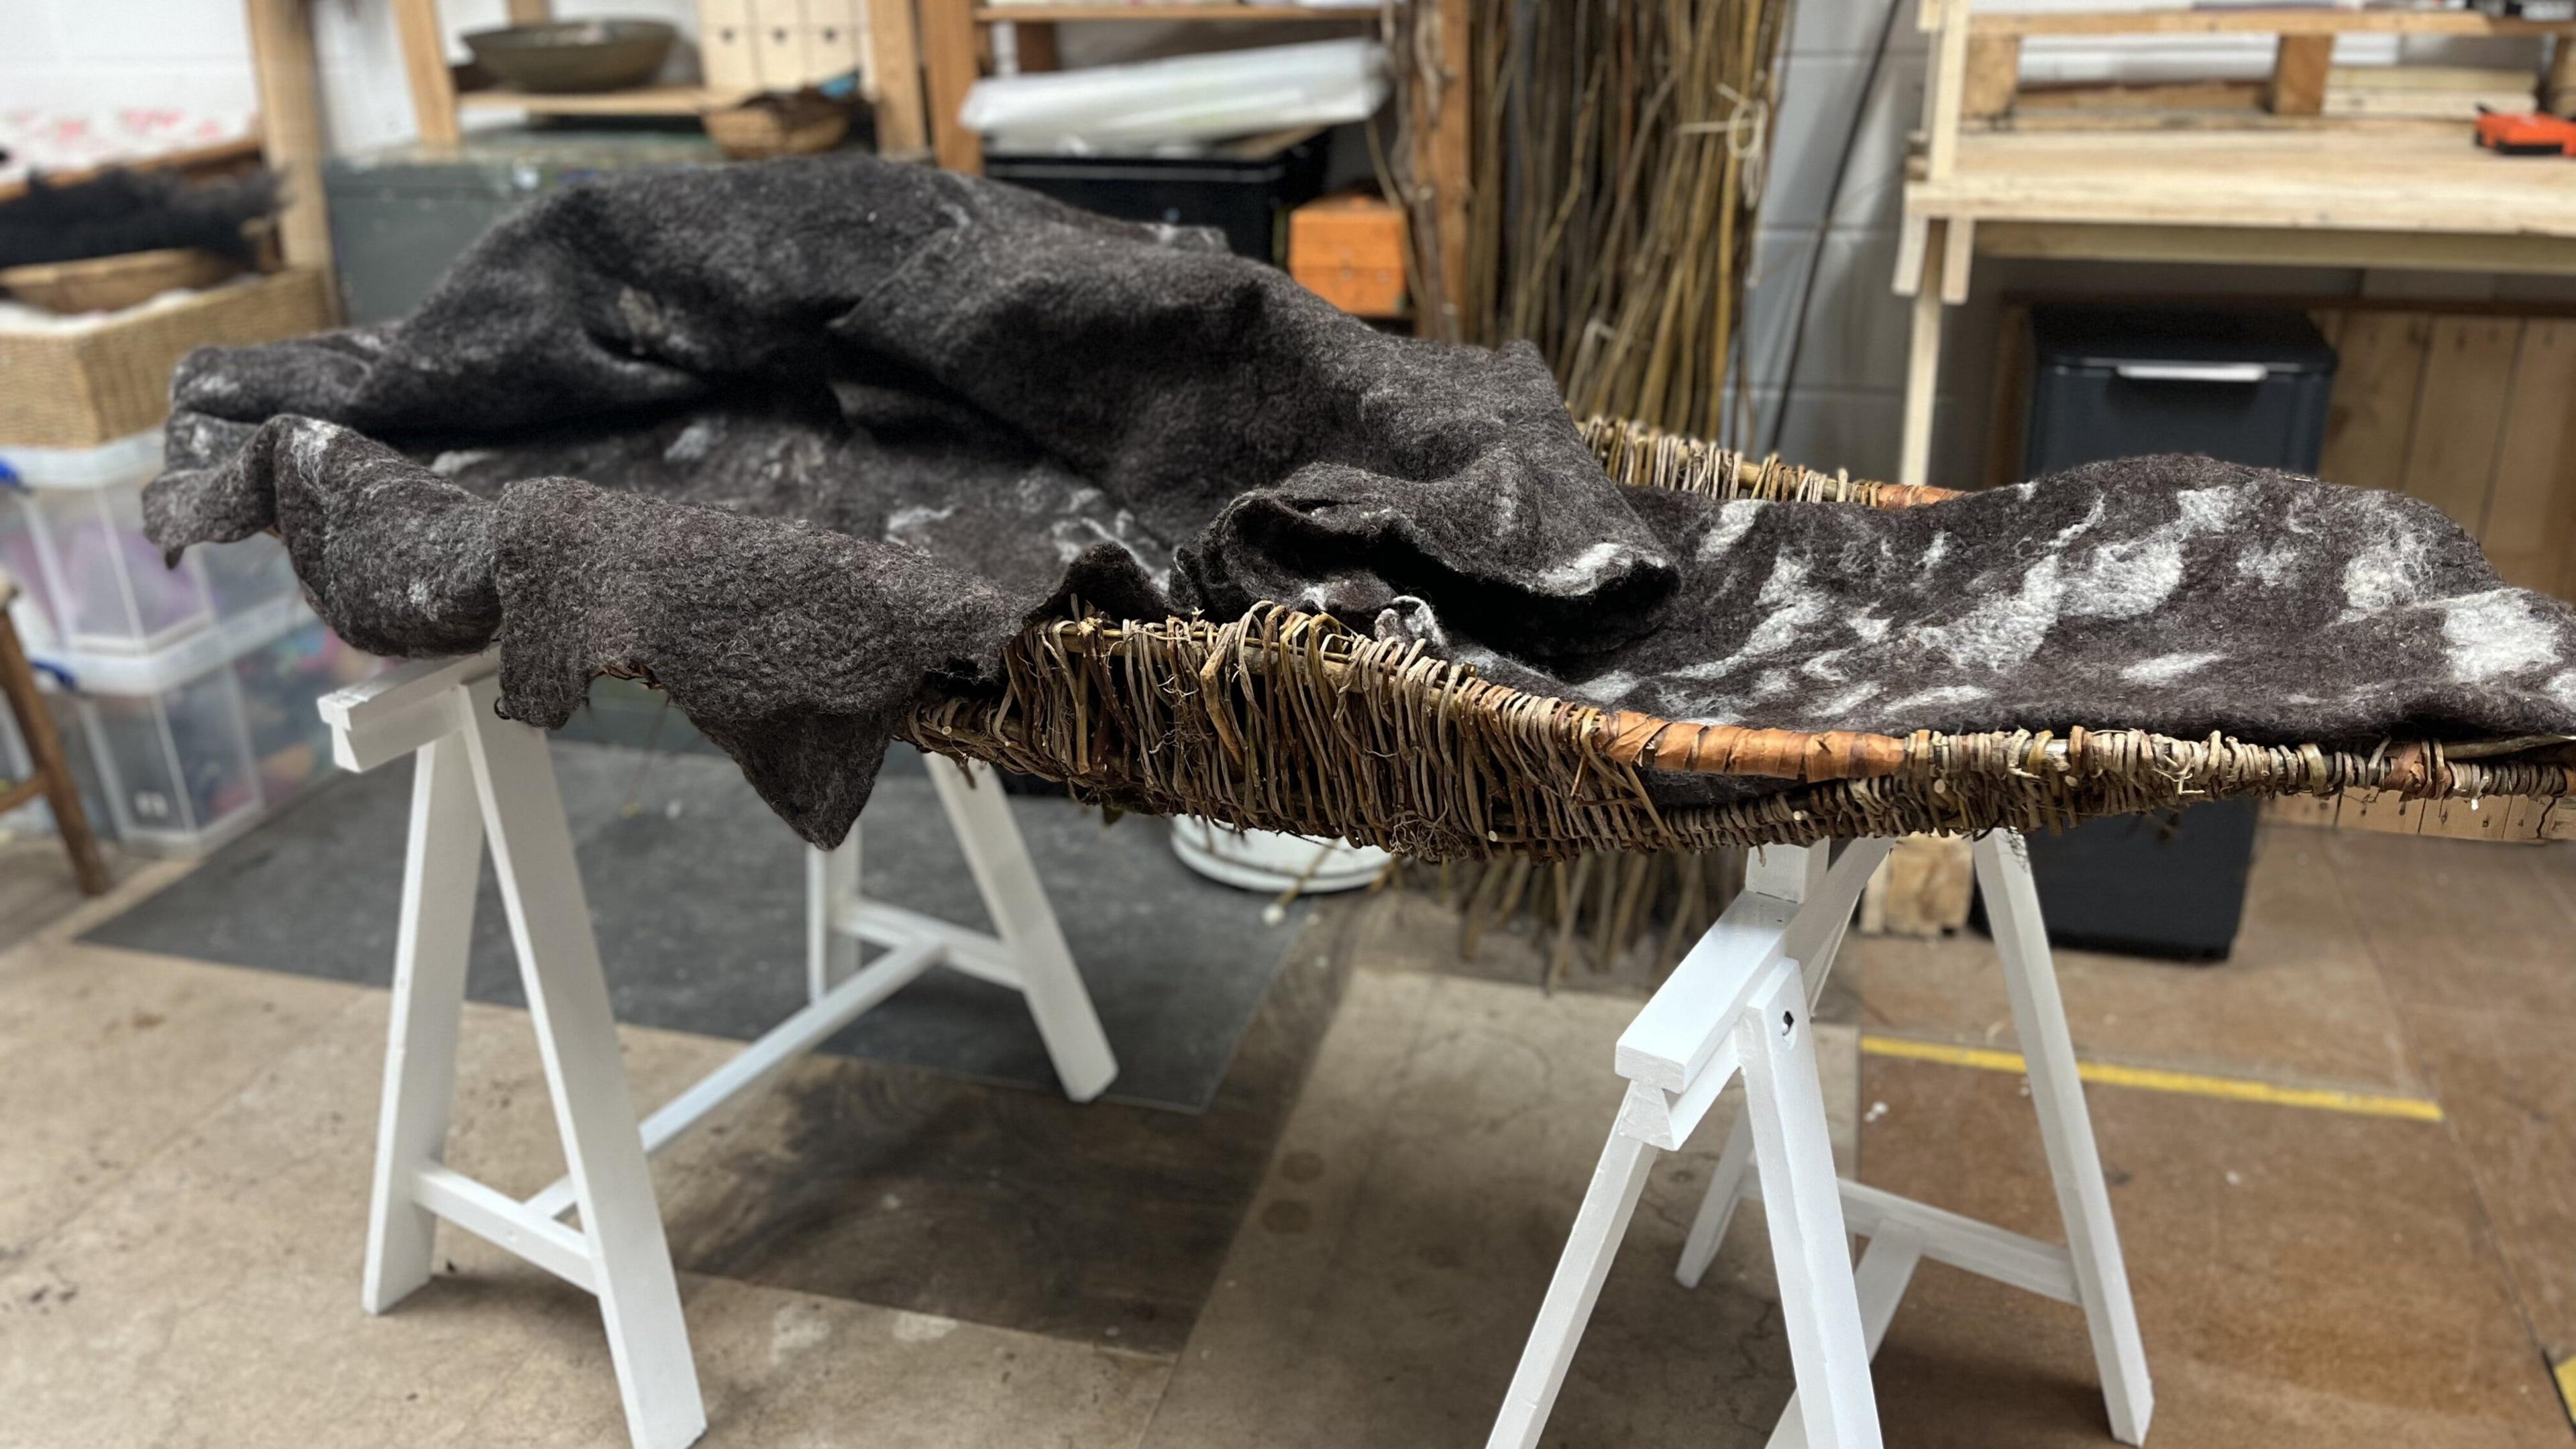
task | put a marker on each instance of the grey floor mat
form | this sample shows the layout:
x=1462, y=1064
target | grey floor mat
x=697, y=893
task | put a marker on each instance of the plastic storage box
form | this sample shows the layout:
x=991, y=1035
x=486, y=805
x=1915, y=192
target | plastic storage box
x=195, y=744
x=1247, y=198
x=2247, y=386
x=71, y=532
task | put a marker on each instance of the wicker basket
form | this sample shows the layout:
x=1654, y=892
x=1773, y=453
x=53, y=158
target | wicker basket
x=791, y=126
x=110, y=284
x=83, y=387
x=1288, y=721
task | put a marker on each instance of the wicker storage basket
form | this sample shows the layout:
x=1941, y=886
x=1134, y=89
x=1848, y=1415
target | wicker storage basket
x=84, y=387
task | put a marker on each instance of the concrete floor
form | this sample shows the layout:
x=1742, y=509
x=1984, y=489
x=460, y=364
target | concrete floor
x=184, y=1156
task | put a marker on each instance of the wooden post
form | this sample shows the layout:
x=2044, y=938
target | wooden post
x=53, y=777
x=1443, y=122
x=1945, y=90
x=433, y=85
x=1923, y=361
x=290, y=124
x=2299, y=75
x=1038, y=50
x=896, y=65
x=1994, y=75
x=948, y=55
x=2558, y=90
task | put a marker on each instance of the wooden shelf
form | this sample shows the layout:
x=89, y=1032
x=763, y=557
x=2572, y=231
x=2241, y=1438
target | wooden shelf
x=2423, y=182
x=2260, y=22
x=1041, y=14
x=641, y=101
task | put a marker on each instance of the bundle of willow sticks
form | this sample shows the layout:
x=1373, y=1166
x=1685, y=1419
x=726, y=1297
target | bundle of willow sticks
x=1617, y=171
x=1617, y=168
x=1599, y=914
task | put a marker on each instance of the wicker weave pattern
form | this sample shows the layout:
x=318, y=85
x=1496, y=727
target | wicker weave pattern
x=1288, y=721
x=1284, y=720
x=81, y=389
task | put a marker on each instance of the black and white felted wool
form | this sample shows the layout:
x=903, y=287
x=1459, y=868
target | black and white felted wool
x=804, y=441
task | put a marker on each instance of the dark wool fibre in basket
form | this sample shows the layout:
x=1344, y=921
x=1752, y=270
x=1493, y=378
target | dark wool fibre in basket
x=808, y=441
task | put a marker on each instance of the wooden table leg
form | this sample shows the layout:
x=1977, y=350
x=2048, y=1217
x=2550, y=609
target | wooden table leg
x=45, y=749
x=948, y=59
x=1923, y=361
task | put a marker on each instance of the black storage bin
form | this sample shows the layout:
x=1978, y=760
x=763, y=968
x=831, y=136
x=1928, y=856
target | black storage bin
x=2244, y=386
x=1246, y=198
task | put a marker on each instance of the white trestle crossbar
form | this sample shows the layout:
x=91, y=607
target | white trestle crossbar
x=482, y=778
x=1740, y=1001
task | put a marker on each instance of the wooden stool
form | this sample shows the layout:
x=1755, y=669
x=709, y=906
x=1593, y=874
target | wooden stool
x=53, y=777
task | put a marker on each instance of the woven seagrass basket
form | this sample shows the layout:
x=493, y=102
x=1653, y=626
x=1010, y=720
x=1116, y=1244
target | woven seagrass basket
x=93, y=385
x=1284, y=720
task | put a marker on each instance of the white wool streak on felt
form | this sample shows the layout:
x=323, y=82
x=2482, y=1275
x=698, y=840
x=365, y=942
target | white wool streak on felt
x=2494, y=633
x=2165, y=668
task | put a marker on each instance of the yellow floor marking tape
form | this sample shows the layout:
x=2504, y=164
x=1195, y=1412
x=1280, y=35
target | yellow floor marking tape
x=2194, y=1084
x=2565, y=1373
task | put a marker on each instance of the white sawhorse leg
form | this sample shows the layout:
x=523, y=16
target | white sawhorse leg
x=478, y=777
x=1678, y=1056
x=1028, y=953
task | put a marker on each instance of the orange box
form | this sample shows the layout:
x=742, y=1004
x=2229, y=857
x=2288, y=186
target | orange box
x=1349, y=250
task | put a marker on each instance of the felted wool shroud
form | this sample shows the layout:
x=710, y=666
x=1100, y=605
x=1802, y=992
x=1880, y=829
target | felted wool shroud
x=807, y=442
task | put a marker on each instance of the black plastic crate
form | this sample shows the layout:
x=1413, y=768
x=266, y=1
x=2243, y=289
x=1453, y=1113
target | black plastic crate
x=2245, y=386
x=1248, y=199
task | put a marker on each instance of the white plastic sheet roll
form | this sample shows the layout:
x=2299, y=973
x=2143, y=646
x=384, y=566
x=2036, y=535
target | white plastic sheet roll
x=1186, y=98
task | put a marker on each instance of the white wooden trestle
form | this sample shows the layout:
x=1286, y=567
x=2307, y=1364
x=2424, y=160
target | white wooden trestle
x=480, y=777
x=1740, y=1001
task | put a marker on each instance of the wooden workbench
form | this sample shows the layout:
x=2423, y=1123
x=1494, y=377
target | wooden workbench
x=2287, y=188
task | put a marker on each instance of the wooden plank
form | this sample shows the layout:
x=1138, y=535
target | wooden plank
x=2459, y=418
x=2299, y=70
x=45, y=755
x=2144, y=242
x=641, y=101
x=1045, y=13
x=1945, y=92
x=895, y=63
x=2316, y=811
x=530, y=12
x=433, y=85
x=1923, y=366
x=1443, y=158
x=2531, y=518
x=2414, y=79
x=2378, y=375
x=2452, y=108
x=1994, y=74
x=948, y=55
x=2223, y=21
x=1039, y=51
x=2235, y=102
x=2008, y=416
x=2397, y=176
x=1958, y=253
x=290, y=125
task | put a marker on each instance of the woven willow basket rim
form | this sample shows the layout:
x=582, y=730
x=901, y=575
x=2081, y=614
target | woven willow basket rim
x=1288, y=720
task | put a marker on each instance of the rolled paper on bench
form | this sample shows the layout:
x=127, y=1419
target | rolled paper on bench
x=1714, y=749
